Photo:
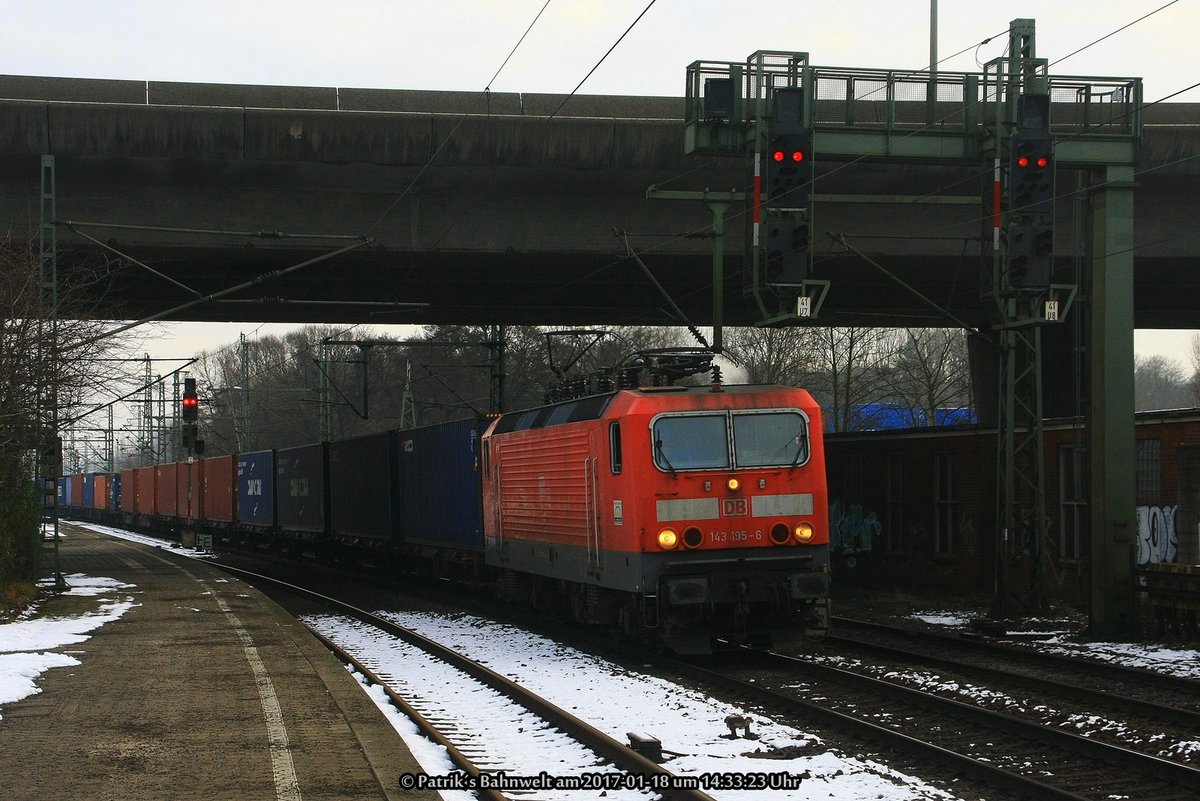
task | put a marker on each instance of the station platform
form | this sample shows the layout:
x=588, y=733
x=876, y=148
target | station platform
x=205, y=689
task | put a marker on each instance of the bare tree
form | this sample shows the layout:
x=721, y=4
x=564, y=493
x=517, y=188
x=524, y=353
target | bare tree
x=265, y=392
x=928, y=370
x=1160, y=383
x=63, y=363
x=1194, y=381
x=848, y=373
x=775, y=355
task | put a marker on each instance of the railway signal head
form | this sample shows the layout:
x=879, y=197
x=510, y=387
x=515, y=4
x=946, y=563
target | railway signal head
x=786, y=245
x=1029, y=232
x=787, y=190
x=1030, y=256
x=789, y=170
x=1031, y=175
x=191, y=401
x=189, y=432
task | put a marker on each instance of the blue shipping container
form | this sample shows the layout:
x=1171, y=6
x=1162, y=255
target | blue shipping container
x=362, y=486
x=256, y=488
x=440, y=501
x=89, y=491
x=114, y=492
x=64, y=490
x=301, y=491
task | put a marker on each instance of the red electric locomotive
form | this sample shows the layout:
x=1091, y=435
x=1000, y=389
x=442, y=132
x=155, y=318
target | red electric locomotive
x=686, y=513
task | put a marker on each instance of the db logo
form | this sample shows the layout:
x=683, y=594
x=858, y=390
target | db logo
x=735, y=507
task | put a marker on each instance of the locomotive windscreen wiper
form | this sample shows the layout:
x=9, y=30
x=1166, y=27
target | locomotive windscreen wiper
x=801, y=441
x=658, y=448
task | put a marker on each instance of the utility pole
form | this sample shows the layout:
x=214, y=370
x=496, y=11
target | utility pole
x=145, y=424
x=408, y=412
x=242, y=418
x=50, y=468
x=496, y=343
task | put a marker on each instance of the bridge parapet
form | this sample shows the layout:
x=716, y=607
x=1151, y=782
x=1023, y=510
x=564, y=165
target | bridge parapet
x=330, y=98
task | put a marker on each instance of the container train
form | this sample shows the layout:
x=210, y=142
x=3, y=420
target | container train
x=690, y=515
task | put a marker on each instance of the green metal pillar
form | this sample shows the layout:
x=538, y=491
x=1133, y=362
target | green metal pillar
x=325, y=392
x=718, y=203
x=408, y=410
x=497, y=344
x=49, y=356
x=1111, y=447
x=242, y=419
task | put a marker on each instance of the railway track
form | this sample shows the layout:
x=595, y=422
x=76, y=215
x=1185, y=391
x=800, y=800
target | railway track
x=487, y=735
x=1168, y=689
x=1155, y=713
x=1024, y=757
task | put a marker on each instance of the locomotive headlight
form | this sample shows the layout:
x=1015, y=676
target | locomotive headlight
x=667, y=539
x=803, y=532
x=733, y=484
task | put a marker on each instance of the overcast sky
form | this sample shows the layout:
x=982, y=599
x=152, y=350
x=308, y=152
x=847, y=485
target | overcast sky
x=461, y=44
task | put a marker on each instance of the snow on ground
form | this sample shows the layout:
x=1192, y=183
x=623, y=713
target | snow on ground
x=688, y=723
x=940, y=618
x=433, y=758
x=27, y=644
x=1183, y=662
x=144, y=539
x=968, y=693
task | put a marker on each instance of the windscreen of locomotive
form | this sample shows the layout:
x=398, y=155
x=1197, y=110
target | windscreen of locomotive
x=702, y=442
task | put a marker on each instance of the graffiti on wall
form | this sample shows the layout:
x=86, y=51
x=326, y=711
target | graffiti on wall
x=1158, y=541
x=852, y=529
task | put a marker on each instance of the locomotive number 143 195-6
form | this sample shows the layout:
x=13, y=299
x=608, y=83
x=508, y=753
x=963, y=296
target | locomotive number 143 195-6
x=735, y=507
x=735, y=536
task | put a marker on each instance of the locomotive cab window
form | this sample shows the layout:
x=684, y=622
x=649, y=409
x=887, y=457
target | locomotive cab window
x=704, y=441
x=614, y=447
x=691, y=442
x=770, y=439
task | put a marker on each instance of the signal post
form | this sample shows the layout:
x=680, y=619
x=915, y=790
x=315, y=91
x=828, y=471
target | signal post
x=193, y=446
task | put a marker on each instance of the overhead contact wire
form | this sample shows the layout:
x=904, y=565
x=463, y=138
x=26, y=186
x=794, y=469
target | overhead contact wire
x=488, y=88
x=602, y=58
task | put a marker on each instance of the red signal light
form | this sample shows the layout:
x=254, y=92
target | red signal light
x=797, y=155
x=1042, y=161
x=1023, y=161
x=189, y=403
x=777, y=155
